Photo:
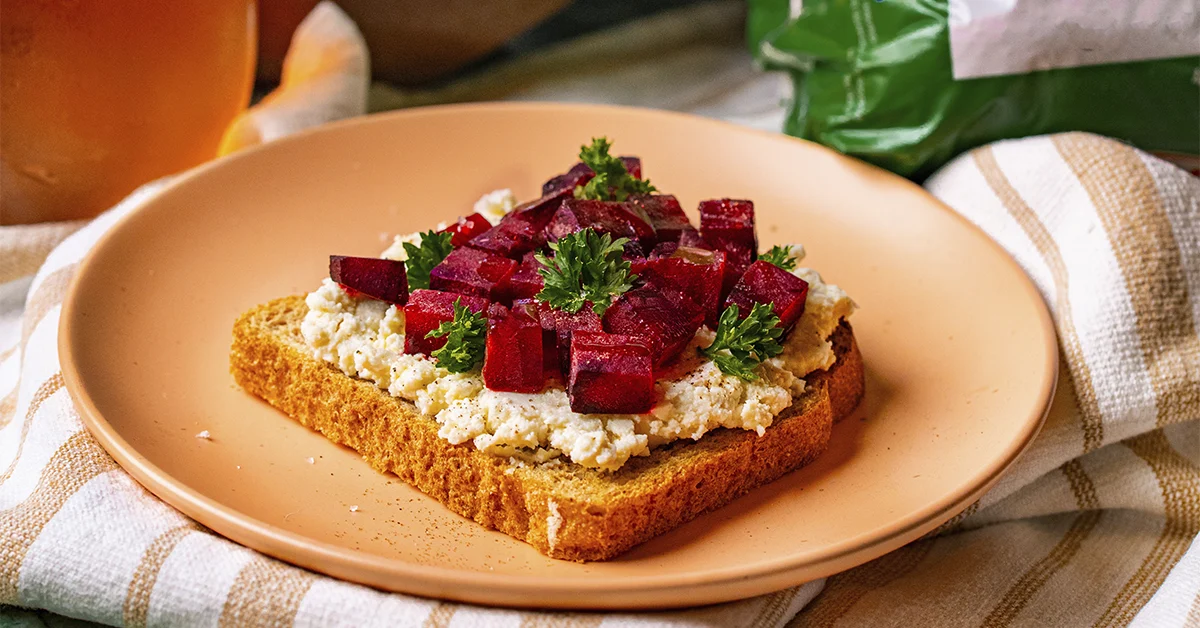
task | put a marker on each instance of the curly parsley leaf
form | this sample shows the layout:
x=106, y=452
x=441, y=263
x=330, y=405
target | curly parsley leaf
x=466, y=337
x=780, y=256
x=741, y=345
x=612, y=181
x=422, y=258
x=587, y=266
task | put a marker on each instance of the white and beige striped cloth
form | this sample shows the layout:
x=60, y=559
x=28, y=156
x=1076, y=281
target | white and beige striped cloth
x=1092, y=526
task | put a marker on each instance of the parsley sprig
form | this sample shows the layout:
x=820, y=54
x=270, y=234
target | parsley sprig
x=781, y=257
x=466, y=336
x=422, y=258
x=741, y=345
x=587, y=266
x=612, y=181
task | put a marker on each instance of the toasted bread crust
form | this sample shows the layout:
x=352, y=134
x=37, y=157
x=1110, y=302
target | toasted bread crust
x=564, y=510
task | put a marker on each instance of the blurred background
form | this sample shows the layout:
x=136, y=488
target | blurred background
x=97, y=98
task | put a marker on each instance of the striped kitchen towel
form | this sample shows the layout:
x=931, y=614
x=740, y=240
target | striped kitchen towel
x=1095, y=525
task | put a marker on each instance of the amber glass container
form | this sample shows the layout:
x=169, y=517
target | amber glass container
x=100, y=96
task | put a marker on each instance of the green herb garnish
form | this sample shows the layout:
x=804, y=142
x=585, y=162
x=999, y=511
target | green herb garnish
x=781, y=257
x=587, y=266
x=433, y=249
x=741, y=345
x=612, y=181
x=465, y=340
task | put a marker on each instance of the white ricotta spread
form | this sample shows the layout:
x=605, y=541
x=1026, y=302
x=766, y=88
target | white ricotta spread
x=365, y=338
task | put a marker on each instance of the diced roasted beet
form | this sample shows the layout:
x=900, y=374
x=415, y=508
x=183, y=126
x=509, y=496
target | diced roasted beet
x=579, y=174
x=471, y=271
x=426, y=310
x=662, y=313
x=728, y=225
x=382, y=279
x=610, y=374
x=728, y=221
x=692, y=238
x=633, y=165
x=540, y=312
x=665, y=215
x=467, y=228
x=526, y=281
x=697, y=273
x=737, y=260
x=513, y=358
x=764, y=282
x=522, y=230
x=616, y=219
x=564, y=325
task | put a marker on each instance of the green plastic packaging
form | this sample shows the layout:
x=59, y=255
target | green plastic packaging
x=889, y=97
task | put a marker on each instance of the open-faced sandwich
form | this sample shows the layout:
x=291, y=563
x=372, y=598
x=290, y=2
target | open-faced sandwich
x=583, y=372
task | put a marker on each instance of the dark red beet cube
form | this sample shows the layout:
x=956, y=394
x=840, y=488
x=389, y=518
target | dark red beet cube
x=697, y=273
x=728, y=221
x=382, y=279
x=579, y=174
x=513, y=359
x=665, y=315
x=471, y=271
x=665, y=215
x=610, y=374
x=540, y=312
x=426, y=310
x=737, y=260
x=522, y=230
x=526, y=281
x=692, y=238
x=633, y=165
x=564, y=325
x=467, y=228
x=617, y=219
x=728, y=225
x=764, y=282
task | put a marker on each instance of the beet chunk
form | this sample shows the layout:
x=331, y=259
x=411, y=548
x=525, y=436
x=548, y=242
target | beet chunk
x=513, y=359
x=526, y=281
x=764, y=282
x=467, y=228
x=610, y=374
x=540, y=312
x=564, y=325
x=382, y=279
x=664, y=314
x=474, y=272
x=633, y=165
x=697, y=273
x=522, y=230
x=665, y=215
x=728, y=225
x=579, y=174
x=616, y=219
x=426, y=310
x=691, y=237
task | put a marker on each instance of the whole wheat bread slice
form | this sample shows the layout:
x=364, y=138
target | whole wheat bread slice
x=564, y=510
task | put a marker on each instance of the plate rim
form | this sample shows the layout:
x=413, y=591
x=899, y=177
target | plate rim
x=512, y=590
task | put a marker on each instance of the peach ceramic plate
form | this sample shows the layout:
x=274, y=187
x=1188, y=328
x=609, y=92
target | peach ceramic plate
x=959, y=349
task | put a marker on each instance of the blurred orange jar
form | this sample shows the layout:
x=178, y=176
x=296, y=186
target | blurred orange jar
x=100, y=96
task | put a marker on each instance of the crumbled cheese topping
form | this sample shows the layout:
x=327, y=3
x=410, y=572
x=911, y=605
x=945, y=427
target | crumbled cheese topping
x=365, y=338
x=496, y=205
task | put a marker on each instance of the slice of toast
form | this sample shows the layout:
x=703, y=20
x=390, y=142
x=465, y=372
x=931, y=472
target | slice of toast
x=564, y=510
